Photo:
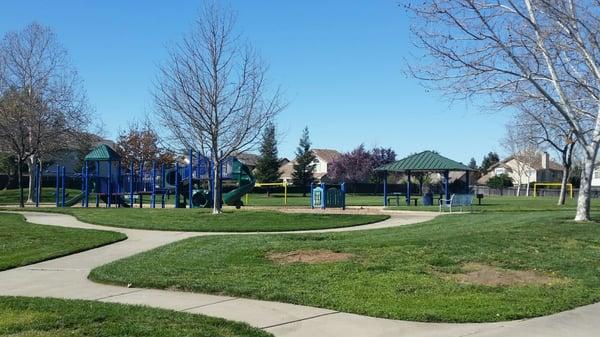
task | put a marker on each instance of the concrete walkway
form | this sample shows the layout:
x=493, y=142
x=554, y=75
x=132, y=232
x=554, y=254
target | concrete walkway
x=66, y=277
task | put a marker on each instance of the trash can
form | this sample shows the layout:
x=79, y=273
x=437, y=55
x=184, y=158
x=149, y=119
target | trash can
x=428, y=199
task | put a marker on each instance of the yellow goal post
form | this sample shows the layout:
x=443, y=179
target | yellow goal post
x=535, y=185
x=282, y=184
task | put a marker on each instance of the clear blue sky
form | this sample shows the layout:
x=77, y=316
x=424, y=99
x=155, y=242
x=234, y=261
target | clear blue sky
x=339, y=62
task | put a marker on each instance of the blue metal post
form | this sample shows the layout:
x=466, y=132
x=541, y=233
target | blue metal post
x=385, y=199
x=131, y=185
x=211, y=179
x=63, y=186
x=190, y=187
x=446, y=190
x=343, y=195
x=323, y=196
x=141, y=187
x=86, y=196
x=153, y=200
x=98, y=187
x=56, y=192
x=198, y=164
x=407, y=188
x=36, y=188
x=109, y=185
x=119, y=187
x=176, y=185
x=162, y=185
x=220, y=198
x=83, y=186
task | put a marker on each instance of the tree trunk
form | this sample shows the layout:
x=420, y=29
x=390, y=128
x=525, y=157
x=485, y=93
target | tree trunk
x=519, y=189
x=20, y=183
x=563, y=186
x=30, y=187
x=216, y=186
x=567, y=155
x=585, y=187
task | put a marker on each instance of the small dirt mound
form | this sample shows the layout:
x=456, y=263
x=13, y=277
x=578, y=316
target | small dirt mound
x=309, y=256
x=476, y=273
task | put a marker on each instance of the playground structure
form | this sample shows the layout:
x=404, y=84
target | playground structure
x=104, y=179
x=542, y=185
x=328, y=195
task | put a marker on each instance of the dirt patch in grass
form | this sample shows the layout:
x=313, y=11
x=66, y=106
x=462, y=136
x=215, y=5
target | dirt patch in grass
x=309, y=256
x=481, y=274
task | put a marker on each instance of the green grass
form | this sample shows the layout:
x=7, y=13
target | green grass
x=395, y=272
x=23, y=243
x=202, y=219
x=11, y=197
x=44, y=317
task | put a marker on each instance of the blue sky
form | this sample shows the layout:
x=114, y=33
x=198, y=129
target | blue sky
x=339, y=63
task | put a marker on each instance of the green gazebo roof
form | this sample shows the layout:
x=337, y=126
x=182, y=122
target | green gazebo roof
x=424, y=161
x=102, y=153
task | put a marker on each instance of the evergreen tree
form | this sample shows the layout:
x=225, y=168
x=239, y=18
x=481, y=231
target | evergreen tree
x=473, y=164
x=304, y=166
x=267, y=166
x=489, y=160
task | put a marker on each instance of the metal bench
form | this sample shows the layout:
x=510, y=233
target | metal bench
x=457, y=200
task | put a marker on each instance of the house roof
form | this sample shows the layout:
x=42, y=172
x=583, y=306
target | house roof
x=535, y=164
x=326, y=154
x=248, y=159
x=102, y=152
x=424, y=161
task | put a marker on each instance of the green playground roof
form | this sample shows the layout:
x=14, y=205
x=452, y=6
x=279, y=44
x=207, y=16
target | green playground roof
x=424, y=161
x=102, y=153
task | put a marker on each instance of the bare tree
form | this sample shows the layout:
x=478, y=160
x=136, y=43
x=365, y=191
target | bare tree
x=42, y=98
x=547, y=128
x=518, y=142
x=212, y=94
x=515, y=51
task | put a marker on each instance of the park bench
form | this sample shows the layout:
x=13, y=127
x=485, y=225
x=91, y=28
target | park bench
x=396, y=196
x=457, y=200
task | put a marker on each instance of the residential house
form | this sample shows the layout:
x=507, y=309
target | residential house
x=541, y=169
x=323, y=158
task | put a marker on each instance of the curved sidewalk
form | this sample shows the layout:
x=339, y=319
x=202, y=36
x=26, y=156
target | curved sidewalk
x=66, y=277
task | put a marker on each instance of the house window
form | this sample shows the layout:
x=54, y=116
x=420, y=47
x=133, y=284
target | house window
x=500, y=170
x=596, y=174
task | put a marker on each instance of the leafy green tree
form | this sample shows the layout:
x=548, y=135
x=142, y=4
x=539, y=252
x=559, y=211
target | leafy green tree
x=267, y=166
x=304, y=167
x=500, y=182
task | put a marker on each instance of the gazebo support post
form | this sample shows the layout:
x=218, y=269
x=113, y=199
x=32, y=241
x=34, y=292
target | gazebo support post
x=407, y=188
x=467, y=189
x=385, y=199
x=446, y=190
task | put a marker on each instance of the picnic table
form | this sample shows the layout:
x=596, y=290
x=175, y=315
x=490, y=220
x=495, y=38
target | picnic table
x=397, y=195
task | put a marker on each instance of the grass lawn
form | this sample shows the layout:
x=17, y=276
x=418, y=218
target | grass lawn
x=45, y=317
x=403, y=273
x=202, y=219
x=23, y=243
x=11, y=197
